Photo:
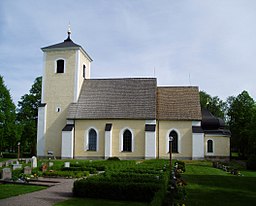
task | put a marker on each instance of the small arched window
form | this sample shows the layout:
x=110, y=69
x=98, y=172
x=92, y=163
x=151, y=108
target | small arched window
x=127, y=141
x=210, y=146
x=174, y=141
x=60, y=66
x=92, y=145
x=84, y=71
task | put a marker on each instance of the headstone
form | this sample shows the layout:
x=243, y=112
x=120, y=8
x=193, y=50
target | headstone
x=7, y=163
x=6, y=174
x=27, y=170
x=50, y=164
x=67, y=164
x=34, y=162
x=28, y=160
x=1, y=164
x=44, y=167
x=16, y=166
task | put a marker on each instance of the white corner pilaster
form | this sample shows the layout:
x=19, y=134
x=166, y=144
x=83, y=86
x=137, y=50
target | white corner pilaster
x=41, y=129
x=150, y=141
x=197, y=146
x=67, y=143
x=108, y=141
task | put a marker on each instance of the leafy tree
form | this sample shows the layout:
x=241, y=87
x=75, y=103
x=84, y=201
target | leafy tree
x=242, y=117
x=27, y=116
x=215, y=105
x=7, y=119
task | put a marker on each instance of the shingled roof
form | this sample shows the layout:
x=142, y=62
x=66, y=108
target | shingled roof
x=66, y=44
x=126, y=98
x=178, y=103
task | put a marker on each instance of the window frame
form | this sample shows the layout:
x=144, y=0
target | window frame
x=121, y=139
x=211, y=151
x=56, y=65
x=178, y=141
x=87, y=140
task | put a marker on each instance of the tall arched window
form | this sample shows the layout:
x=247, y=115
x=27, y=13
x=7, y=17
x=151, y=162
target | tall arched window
x=174, y=141
x=210, y=146
x=60, y=66
x=92, y=145
x=127, y=141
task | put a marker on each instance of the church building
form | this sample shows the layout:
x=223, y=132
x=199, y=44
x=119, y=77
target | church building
x=129, y=118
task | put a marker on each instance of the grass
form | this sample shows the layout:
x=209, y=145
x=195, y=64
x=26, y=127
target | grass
x=97, y=202
x=211, y=186
x=9, y=190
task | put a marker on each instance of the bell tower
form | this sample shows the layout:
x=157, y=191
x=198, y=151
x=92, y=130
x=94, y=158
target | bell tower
x=66, y=65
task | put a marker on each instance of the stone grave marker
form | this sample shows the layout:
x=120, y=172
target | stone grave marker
x=67, y=164
x=50, y=164
x=1, y=164
x=27, y=161
x=16, y=166
x=6, y=174
x=34, y=162
x=27, y=170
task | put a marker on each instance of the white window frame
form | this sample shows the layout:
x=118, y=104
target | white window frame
x=167, y=140
x=86, y=139
x=210, y=153
x=56, y=65
x=121, y=134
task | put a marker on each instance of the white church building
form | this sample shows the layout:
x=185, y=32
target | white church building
x=129, y=118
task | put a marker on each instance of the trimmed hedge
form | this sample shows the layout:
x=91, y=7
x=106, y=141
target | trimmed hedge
x=71, y=174
x=115, y=190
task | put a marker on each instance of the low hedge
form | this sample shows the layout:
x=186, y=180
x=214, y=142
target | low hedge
x=69, y=174
x=131, y=191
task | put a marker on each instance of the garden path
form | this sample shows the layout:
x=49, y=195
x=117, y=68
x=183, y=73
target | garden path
x=47, y=197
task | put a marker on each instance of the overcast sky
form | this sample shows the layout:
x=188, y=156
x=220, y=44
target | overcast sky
x=206, y=43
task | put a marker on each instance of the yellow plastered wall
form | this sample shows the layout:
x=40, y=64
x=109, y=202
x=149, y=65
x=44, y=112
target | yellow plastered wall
x=221, y=145
x=137, y=127
x=184, y=131
x=59, y=91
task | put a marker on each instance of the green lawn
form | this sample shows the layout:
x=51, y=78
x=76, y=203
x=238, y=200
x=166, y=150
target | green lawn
x=9, y=190
x=97, y=202
x=211, y=186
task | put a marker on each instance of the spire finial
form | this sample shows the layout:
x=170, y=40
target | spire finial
x=69, y=33
x=69, y=30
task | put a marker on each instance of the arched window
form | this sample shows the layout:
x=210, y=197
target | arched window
x=127, y=141
x=210, y=146
x=174, y=141
x=92, y=145
x=84, y=71
x=60, y=66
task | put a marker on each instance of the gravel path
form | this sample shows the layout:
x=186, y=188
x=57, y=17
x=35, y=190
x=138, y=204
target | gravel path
x=60, y=192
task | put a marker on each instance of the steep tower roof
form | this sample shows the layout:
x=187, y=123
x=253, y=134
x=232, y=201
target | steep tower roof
x=66, y=44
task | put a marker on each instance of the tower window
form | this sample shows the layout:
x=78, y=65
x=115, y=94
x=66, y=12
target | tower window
x=84, y=71
x=60, y=66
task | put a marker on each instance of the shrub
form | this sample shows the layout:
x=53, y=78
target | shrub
x=113, y=159
x=251, y=163
x=69, y=174
x=181, y=165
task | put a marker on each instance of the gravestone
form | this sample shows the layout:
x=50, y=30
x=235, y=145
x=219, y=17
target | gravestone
x=27, y=170
x=50, y=164
x=28, y=160
x=6, y=174
x=67, y=164
x=1, y=164
x=7, y=163
x=16, y=166
x=34, y=162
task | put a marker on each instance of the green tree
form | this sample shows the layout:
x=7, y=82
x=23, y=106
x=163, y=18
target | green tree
x=242, y=117
x=8, y=138
x=214, y=104
x=27, y=116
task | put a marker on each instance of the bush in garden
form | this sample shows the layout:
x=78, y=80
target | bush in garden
x=69, y=174
x=113, y=159
x=251, y=163
x=180, y=165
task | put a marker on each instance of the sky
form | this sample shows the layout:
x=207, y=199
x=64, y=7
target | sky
x=206, y=43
